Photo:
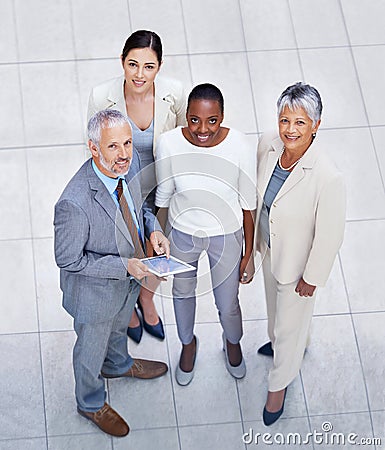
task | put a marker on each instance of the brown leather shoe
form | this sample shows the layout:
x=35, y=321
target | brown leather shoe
x=142, y=368
x=108, y=420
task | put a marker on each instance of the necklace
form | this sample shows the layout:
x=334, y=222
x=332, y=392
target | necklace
x=287, y=168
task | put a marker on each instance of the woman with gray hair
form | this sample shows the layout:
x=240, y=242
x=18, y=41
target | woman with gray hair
x=300, y=226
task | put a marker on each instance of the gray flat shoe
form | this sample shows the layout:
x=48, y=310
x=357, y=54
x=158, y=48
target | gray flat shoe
x=235, y=371
x=184, y=378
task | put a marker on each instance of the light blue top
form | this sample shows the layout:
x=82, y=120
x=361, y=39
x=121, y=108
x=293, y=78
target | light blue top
x=111, y=184
x=277, y=179
x=143, y=143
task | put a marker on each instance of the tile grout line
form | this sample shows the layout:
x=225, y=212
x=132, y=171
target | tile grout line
x=349, y=306
x=240, y=410
x=27, y=180
x=77, y=83
x=129, y=15
x=76, y=64
x=357, y=344
x=297, y=49
x=168, y=350
x=383, y=184
x=248, y=133
x=306, y=404
x=303, y=77
x=344, y=413
x=207, y=53
x=41, y=146
x=382, y=176
x=248, y=67
x=188, y=53
x=40, y=238
x=377, y=219
x=171, y=377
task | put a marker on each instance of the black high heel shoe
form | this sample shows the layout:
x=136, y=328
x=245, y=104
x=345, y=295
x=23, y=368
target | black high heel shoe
x=270, y=417
x=135, y=333
x=155, y=330
x=266, y=349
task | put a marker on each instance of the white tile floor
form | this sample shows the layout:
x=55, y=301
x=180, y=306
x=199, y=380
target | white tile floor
x=51, y=53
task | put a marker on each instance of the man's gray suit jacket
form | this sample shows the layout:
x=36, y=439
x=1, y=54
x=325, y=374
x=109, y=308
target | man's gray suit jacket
x=92, y=244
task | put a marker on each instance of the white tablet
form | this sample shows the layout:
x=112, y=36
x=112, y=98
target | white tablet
x=163, y=267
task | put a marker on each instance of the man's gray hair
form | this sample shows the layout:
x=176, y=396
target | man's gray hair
x=107, y=118
x=301, y=95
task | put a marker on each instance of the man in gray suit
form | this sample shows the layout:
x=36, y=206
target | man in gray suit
x=99, y=272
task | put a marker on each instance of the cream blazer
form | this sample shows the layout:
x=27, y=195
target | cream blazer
x=169, y=105
x=307, y=217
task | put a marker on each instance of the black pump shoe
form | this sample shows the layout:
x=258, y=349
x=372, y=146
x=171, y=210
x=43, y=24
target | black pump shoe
x=135, y=333
x=266, y=349
x=155, y=330
x=270, y=417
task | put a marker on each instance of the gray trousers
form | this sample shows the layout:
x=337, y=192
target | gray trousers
x=224, y=253
x=101, y=346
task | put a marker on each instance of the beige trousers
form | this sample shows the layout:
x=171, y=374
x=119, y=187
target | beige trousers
x=289, y=319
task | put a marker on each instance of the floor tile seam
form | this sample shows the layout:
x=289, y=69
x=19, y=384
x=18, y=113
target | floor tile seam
x=338, y=314
x=285, y=417
x=72, y=60
x=26, y=238
x=253, y=102
x=42, y=146
x=343, y=413
x=353, y=127
x=355, y=335
x=374, y=219
x=194, y=425
x=306, y=403
x=96, y=433
x=353, y=313
x=240, y=404
x=345, y=285
x=188, y=54
x=249, y=133
x=382, y=176
x=296, y=41
x=41, y=332
x=28, y=190
x=75, y=50
x=196, y=53
x=172, y=381
x=153, y=428
x=260, y=319
x=379, y=165
x=347, y=30
x=200, y=322
x=246, y=421
x=129, y=15
x=361, y=313
x=362, y=371
x=29, y=438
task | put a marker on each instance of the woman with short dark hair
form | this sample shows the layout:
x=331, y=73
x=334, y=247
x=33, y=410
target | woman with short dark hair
x=206, y=179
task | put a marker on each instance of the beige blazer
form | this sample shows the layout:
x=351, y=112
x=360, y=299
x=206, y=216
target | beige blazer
x=169, y=105
x=307, y=217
